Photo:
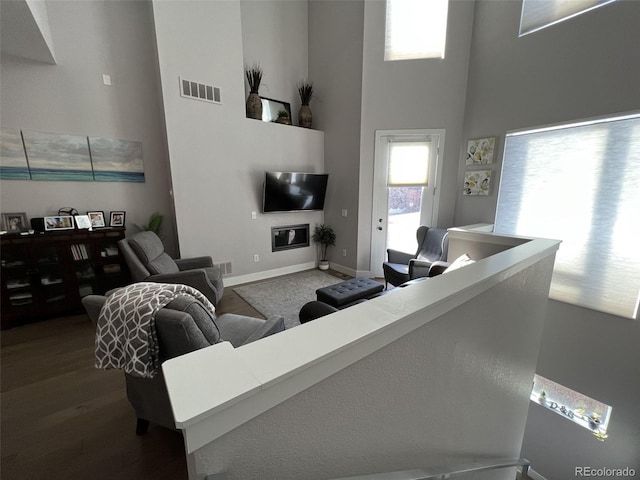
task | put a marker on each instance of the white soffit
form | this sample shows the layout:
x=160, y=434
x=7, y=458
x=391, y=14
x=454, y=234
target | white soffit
x=24, y=30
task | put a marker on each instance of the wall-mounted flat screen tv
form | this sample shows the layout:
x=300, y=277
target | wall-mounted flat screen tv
x=294, y=191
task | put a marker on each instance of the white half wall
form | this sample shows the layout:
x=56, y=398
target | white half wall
x=428, y=374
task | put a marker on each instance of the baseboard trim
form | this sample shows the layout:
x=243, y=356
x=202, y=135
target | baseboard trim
x=276, y=272
x=342, y=269
x=266, y=274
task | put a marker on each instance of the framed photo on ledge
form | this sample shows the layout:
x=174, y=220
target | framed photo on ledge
x=116, y=219
x=60, y=222
x=97, y=219
x=83, y=222
x=14, y=222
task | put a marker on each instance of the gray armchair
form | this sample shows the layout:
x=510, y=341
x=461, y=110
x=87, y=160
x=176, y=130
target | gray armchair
x=148, y=262
x=183, y=326
x=400, y=267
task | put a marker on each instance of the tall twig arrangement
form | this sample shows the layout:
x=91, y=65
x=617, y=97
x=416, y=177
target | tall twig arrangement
x=254, y=77
x=305, y=89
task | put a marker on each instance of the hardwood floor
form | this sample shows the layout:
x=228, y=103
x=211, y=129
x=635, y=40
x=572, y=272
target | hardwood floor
x=61, y=418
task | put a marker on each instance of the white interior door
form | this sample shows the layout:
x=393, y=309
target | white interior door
x=405, y=190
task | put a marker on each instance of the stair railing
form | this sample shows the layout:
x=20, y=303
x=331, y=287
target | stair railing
x=444, y=472
x=435, y=473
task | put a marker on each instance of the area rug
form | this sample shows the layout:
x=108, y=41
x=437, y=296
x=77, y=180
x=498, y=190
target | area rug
x=286, y=295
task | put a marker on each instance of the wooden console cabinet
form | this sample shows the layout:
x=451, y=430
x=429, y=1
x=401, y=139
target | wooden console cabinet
x=46, y=274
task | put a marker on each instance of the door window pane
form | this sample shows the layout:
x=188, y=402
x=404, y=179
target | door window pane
x=405, y=204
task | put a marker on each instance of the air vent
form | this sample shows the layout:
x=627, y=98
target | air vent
x=225, y=267
x=200, y=91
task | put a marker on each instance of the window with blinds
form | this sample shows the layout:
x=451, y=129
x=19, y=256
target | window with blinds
x=539, y=14
x=408, y=164
x=580, y=183
x=415, y=29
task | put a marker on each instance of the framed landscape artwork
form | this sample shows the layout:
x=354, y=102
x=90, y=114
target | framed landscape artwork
x=34, y=155
x=54, y=156
x=13, y=162
x=116, y=160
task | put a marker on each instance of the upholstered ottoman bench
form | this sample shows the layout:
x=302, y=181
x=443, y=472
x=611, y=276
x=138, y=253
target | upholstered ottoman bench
x=346, y=293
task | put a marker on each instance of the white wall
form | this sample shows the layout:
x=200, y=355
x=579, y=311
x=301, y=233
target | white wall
x=218, y=157
x=595, y=354
x=91, y=39
x=427, y=94
x=335, y=66
x=275, y=35
x=584, y=67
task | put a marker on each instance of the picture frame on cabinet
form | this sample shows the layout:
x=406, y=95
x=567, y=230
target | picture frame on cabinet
x=97, y=219
x=59, y=222
x=83, y=222
x=116, y=219
x=14, y=222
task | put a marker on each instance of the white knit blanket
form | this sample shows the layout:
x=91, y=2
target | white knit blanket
x=126, y=334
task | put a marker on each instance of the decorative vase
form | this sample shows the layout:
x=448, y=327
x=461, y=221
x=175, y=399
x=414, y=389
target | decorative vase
x=254, y=106
x=323, y=265
x=304, y=116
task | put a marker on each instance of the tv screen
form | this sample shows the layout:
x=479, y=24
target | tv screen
x=293, y=191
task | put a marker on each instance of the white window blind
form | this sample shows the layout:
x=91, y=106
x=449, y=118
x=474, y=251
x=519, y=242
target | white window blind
x=580, y=183
x=415, y=29
x=538, y=14
x=408, y=164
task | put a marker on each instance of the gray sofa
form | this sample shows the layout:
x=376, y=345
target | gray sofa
x=148, y=262
x=183, y=326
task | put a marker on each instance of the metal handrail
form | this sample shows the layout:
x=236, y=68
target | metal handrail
x=435, y=473
x=444, y=472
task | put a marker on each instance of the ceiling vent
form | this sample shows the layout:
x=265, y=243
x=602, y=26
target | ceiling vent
x=199, y=91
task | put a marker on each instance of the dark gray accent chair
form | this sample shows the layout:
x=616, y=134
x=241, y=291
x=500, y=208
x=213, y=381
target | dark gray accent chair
x=148, y=262
x=183, y=326
x=400, y=267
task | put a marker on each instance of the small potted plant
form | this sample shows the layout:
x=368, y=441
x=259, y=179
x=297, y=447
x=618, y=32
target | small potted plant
x=542, y=398
x=283, y=117
x=254, y=103
x=305, y=90
x=154, y=225
x=594, y=421
x=324, y=236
